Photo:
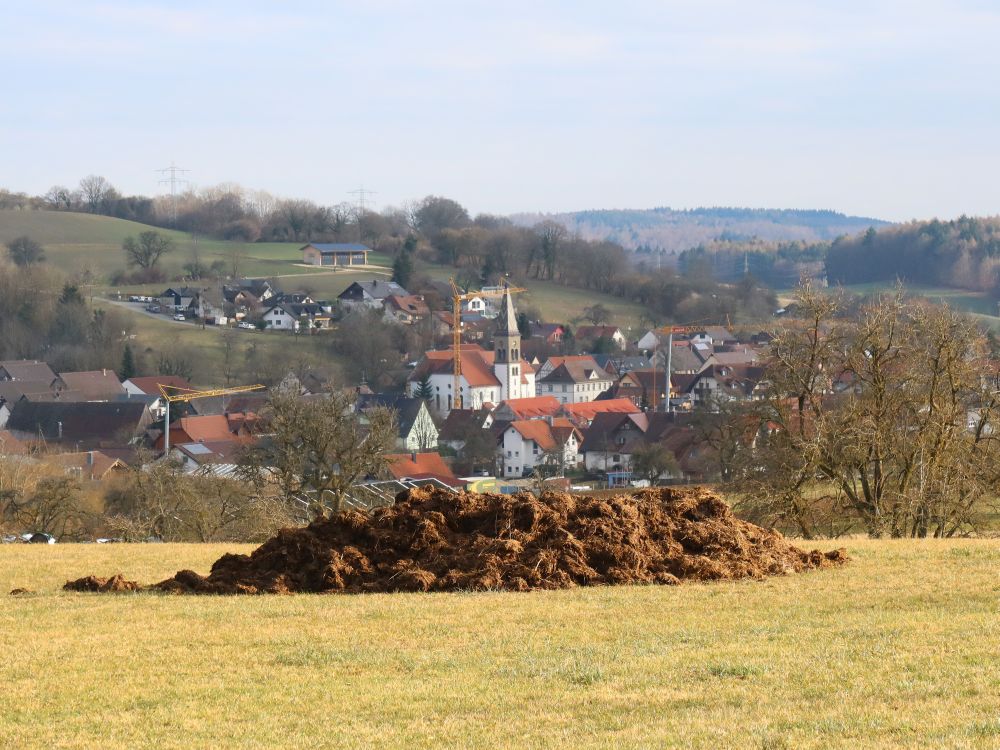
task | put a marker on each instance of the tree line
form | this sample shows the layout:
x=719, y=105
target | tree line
x=964, y=253
x=884, y=419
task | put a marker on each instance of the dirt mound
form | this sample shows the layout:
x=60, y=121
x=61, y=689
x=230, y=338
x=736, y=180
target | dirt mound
x=433, y=540
x=20, y=592
x=103, y=585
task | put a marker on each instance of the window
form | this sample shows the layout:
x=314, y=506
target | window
x=508, y=454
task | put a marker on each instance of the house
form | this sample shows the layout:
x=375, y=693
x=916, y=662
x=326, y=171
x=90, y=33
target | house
x=248, y=292
x=550, y=333
x=219, y=458
x=612, y=438
x=617, y=365
x=180, y=299
x=532, y=407
x=370, y=293
x=335, y=254
x=484, y=377
x=596, y=333
x=742, y=382
x=288, y=316
x=460, y=423
x=416, y=466
x=89, y=424
x=475, y=306
x=646, y=387
x=210, y=428
x=94, y=385
x=30, y=370
x=417, y=431
x=150, y=385
x=87, y=466
x=407, y=309
x=529, y=444
x=584, y=412
x=574, y=380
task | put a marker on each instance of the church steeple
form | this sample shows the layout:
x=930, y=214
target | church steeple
x=507, y=349
x=507, y=319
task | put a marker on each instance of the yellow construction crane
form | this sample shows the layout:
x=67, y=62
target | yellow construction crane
x=173, y=393
x=457, y=298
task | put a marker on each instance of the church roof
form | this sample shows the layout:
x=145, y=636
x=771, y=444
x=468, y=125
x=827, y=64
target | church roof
x=507, y=319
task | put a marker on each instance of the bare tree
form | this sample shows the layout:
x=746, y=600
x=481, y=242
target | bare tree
x=146, y=251
x=318, y=448
x=95, y=191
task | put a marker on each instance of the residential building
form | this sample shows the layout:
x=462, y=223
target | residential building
x=30, y=370
x=335, y=254
x=288, y=316
x=529, y=444
x=417, y=431
x=406, y=309
x=595, y=333
x=583, y=413
x=574, y=380
x=534, y=407
x=89, y=424
x=94, y=385
x=219, y=458
x=370, y=293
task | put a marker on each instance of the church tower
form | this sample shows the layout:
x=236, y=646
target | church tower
x=507, y=351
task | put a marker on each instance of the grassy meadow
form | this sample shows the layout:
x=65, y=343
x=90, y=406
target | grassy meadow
x=901, y=648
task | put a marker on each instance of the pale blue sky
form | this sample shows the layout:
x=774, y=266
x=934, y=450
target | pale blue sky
x=887, y=109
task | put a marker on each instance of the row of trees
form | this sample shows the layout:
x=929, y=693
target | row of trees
x=964, y=253
x=45, y=316
x=887, y=419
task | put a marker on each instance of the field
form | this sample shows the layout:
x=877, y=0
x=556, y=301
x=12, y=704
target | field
x=76, y=241
x=901, y=648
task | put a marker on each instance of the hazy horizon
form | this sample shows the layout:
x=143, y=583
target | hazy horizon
x=874, y=109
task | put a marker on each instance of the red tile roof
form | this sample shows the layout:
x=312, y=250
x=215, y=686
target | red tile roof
x=585, y=411
x=537, y=430
x=419, y=466
x=533, y=406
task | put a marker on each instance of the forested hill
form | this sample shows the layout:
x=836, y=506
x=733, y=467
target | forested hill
x=963, y=253
x=679, y=230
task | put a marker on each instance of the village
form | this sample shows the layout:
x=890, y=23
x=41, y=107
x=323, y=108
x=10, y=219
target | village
x=499, y=403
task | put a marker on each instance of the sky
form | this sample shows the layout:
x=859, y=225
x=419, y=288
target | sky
x=883, y=109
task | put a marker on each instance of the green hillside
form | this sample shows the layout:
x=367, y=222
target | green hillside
x=75, y=241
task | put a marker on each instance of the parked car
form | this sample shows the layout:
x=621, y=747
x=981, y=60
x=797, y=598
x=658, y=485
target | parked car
x=135, y=298
x=180, y=316
x=152, y=308
x=246, y=326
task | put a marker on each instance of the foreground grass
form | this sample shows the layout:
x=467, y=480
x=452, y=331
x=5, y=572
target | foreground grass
x=898, y=649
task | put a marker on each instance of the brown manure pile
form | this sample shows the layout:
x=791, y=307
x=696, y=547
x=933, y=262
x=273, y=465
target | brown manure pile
x=433, y=540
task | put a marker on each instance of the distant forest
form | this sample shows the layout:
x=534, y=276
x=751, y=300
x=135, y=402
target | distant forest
x=964, y=253
x=673, y=230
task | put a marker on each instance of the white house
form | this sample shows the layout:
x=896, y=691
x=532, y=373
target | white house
x=530, y=443
x=288, y=316
x=574, y=380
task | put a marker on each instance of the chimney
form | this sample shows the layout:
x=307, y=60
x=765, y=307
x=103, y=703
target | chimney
x=90, y=458
x=60, y=429
x=413, y=456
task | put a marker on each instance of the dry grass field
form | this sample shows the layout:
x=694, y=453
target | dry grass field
x=901, y=648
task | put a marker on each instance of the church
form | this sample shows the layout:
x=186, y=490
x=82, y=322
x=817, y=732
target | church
x=487, y=377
